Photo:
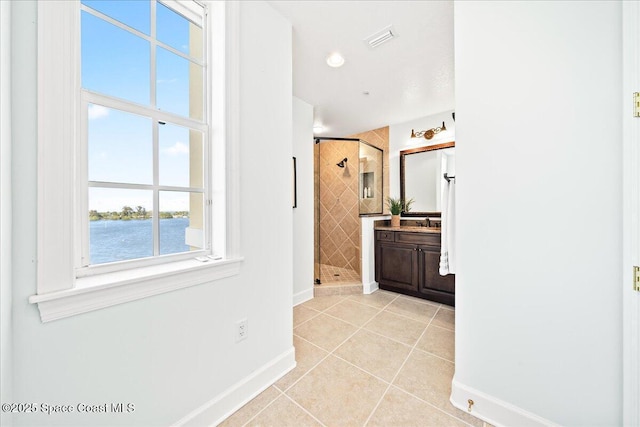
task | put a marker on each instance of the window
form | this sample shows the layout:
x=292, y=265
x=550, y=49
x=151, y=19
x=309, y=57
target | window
x=136, y=155
x=145, y=137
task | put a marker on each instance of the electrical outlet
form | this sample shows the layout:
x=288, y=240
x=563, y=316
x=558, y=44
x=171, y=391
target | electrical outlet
x=242, y=329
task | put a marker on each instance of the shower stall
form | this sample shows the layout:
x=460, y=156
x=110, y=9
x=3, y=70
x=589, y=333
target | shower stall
x=348, y=184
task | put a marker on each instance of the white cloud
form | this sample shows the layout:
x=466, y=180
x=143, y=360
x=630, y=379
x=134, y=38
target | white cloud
x=176, y=149
x=97, y=111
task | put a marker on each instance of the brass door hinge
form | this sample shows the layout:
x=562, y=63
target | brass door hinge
x=636, y=278
x=636, y=104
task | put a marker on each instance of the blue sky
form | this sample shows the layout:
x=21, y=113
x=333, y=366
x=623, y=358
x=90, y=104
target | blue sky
x=116, y=62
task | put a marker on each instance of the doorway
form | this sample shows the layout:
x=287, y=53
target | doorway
x=348, y=183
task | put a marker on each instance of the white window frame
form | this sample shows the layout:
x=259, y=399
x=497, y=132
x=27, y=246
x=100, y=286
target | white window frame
x=61, y=292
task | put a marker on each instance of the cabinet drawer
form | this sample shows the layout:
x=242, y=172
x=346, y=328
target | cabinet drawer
x=385, y=235
x=419, y=238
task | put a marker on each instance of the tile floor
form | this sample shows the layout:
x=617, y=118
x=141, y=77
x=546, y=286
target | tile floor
x=364, y=360
x=332, y=274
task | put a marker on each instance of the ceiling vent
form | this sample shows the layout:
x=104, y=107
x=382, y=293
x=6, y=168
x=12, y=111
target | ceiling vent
x=380, y=37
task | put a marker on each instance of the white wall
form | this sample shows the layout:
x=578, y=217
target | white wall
x=538, y=299
x=303, y=239
x=367, y=248
x=170, y=353
x=6, y=366
x=400, y=139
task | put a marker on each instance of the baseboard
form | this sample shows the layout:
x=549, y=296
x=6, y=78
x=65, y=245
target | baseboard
x=369, y=288
x=493, y=410
x=222, y=406
x=303, y=296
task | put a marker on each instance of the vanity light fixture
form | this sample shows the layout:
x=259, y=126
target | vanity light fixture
x=429, y=133
x=335, y=60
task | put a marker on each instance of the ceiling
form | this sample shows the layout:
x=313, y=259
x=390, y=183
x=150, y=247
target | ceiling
x=408, y=77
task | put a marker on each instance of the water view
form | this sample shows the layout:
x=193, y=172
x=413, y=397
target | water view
x=118, y=240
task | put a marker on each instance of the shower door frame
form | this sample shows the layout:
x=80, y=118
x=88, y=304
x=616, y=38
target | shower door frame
x=317, y=242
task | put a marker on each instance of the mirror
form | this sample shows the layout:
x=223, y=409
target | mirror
x=422, y=177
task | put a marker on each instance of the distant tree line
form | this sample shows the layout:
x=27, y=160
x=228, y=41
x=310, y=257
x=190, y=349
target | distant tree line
x=128, y=213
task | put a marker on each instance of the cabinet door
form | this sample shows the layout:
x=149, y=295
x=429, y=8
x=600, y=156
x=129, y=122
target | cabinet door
x=397, y=265
x=430, y=277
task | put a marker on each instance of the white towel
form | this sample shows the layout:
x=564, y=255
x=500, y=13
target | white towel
x=448, y=232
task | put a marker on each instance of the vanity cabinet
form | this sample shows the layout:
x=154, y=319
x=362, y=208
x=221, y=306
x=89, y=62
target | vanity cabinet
x=409, y=263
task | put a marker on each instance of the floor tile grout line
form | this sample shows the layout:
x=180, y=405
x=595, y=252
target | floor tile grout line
x=412, y=318
x=379, y=308
x=319, y=311
x=370, y=305
x=343, y=297
x=420, y=301
x=306, y=321
x=430, y=404
x=361, y=369
x=304, y=409
x=363, y=326
x=265, y=406
x=389, y=338
x=312, y=367
x=425, y=323
x=405, y=361
x=442, y=327
x=283, y=392
x=385, y=336
x=349, y=323
x=375, y=408
x=310, y=342
x=331, y=353
x=435, y=355
x=358, y=329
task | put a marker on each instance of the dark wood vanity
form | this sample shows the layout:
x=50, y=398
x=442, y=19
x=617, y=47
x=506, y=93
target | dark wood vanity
x=407, y=260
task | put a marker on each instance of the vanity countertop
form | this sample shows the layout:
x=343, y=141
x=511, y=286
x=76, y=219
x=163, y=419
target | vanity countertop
x=409, y=228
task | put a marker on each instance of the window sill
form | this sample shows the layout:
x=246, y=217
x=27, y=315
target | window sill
x=104, y=290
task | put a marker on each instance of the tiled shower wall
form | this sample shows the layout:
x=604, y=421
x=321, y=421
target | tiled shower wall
x=338, y=210
x=339, y=224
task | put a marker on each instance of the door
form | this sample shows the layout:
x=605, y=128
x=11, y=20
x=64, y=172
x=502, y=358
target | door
x=631, y=214
x=430, y=271
x=397, y=265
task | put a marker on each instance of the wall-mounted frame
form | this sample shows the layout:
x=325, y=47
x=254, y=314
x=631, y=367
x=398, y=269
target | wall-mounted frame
x=422, y=177
x=294, y=197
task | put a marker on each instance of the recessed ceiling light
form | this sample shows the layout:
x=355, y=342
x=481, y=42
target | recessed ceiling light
x=335, y=60
x=318, y=129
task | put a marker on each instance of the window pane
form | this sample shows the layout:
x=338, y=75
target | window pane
x=114, y=61
x=180, y=222
x=120, y=226
x=135, y=14
x=120, y=147
x=180, y=156
x=179, y=86
x=178, y=32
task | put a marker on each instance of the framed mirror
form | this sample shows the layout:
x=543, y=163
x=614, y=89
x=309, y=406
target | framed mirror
x=422, y=172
